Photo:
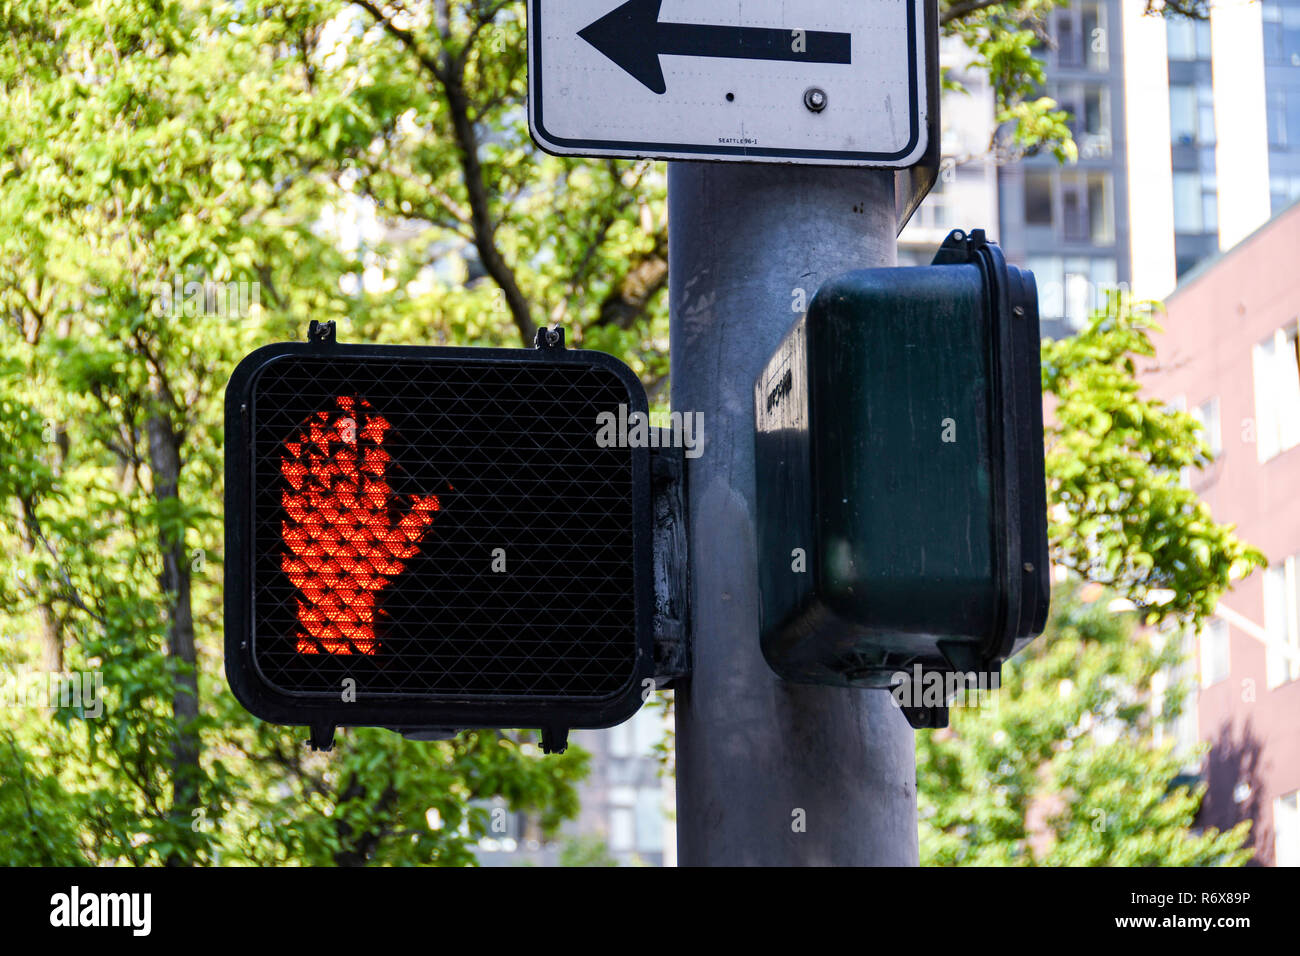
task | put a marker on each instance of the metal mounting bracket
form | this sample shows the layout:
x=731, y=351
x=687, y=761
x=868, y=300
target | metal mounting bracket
x=671, y=569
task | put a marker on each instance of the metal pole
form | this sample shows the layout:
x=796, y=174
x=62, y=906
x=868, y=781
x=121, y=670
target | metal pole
x=768, y=772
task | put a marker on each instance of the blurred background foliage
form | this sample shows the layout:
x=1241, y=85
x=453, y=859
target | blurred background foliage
x=370, y=163
x=1072, y=762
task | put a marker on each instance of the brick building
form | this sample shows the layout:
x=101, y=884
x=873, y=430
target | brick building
x=1230, y=355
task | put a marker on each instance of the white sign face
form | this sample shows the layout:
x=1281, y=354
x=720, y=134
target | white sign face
x=840, y=82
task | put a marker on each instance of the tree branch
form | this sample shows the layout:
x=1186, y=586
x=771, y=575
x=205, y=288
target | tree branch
x=965, y=8
x=449, y=73
x=403, y=36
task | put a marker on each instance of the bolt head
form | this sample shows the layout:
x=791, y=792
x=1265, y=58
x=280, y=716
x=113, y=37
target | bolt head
x=815, y=99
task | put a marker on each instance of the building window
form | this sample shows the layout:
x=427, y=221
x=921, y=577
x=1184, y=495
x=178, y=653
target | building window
x=649, y=727
x=1038, y=198
x=1277, y=131
x=1074, y=212
x=1049, y=274
x=1081, y=37
x=1283, y=190
x=1090, y=120
x=505, y=828
x=1283, y=118
x=622, y=829
x=1280, y=621
x=1191, y=114
x=1092, y=19
x=649, y=821
x=1286, y=830
x=934, y=213
x=1277, y=392
x=1087, y=213
x=1074, y=288
x=621, y=741
x=1183, y=728
x=1094, y=126
x=1179, y=404
x=1101, y=209
x=1085, y=206
x=1281, y=33
x=1207, y=416
x=1188, y=39
x=1182, y=113
x=1196, y=203
x=1216, y=663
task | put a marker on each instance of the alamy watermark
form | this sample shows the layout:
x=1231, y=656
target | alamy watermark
x=133, y=911
x=192, y=299
x=79, y=690
x=657, y=430
x=935, y=688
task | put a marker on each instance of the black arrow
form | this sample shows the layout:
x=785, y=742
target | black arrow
x=633, y=37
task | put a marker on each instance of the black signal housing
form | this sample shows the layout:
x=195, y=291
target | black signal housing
x=525, y=603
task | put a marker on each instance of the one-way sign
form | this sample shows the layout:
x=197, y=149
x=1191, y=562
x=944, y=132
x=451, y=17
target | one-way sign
x=821, y=81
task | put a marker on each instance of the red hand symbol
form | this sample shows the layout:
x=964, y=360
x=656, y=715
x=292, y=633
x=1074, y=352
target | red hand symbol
x=343, y=544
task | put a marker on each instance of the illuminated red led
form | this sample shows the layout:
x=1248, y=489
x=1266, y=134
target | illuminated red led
x=344, y=543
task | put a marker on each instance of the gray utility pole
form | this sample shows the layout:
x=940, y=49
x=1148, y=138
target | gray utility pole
x=768, y=772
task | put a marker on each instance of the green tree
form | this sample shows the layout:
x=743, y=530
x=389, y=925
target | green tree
x=1119, y=517
x=1072, y=762
x=1120, y=514
x=145, y=144
x=368, y=163
x=586, y=851
x=1066, y=765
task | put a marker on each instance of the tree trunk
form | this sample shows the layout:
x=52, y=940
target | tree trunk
x=357, y=849
x=51, y=633
x=165, y=462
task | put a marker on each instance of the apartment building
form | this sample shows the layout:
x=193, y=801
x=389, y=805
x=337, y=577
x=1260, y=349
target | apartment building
x=1188, y=135
x=627, y=806
x=1212, y=121
x=966, y=193
x=1280, y=26
x=1066, y=223
x=1230, y=355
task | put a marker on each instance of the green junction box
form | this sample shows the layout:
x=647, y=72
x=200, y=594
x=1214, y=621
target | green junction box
x=899, y=469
